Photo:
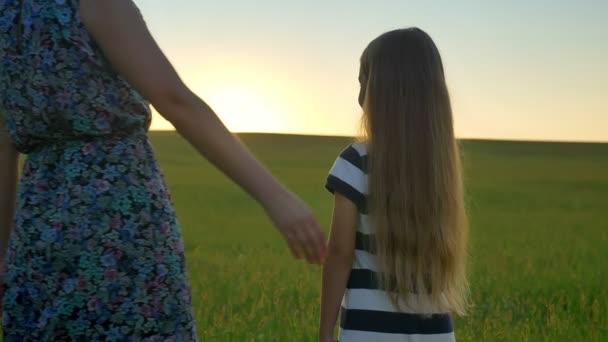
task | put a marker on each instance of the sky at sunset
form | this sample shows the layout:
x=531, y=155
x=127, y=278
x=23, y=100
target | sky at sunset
x=522, y=70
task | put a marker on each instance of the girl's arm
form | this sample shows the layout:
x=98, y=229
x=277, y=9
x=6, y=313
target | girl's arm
x=338, y=264
x=119, y=29
x=8, y=184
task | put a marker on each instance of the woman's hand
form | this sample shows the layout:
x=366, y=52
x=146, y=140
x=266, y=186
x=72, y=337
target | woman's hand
x=119, y=29
x=296, y=223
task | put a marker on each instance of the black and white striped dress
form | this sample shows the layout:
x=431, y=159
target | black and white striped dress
x=367, y=313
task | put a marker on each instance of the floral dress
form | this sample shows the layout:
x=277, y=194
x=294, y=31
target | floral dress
x=95, y=252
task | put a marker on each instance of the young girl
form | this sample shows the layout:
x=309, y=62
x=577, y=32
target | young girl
x=397, y=247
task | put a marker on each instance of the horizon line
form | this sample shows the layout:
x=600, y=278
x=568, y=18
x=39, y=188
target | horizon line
x=458, y=138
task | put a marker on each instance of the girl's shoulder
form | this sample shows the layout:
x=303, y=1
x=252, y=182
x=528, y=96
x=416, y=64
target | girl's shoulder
x=360, y=147
x=348, y=176
x=356, y=154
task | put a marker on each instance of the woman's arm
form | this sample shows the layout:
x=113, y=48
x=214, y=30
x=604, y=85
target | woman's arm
x=120, y=31
x=338, y=264
x=8, y=185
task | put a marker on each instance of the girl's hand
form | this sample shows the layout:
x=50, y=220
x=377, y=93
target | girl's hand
x=299, y=227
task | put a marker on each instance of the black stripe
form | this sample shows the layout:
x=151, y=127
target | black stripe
x=364, y=242
x=351, y=155
x=363, y=279
x=395, y=322
x=335, y=184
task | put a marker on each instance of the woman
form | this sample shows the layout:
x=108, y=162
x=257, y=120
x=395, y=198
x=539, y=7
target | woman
x=96, y=252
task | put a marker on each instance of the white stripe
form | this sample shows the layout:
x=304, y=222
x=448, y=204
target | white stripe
x=364, y=260
x=361, y=148
x=364, y=224
x=368, y=336
x=350, y=174
x=377, y=300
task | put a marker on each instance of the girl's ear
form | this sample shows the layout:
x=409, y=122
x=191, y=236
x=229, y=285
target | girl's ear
x=363, y=77
x=362, y=90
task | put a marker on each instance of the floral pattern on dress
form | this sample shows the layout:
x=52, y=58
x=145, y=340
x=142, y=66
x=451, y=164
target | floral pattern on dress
x=96, y=252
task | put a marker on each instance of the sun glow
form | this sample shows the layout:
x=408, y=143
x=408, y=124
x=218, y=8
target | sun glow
x=247, y=105
x=246, y=108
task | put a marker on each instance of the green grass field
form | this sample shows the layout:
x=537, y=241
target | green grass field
x=539, y=241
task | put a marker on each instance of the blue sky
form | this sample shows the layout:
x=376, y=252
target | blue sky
x=516, y=69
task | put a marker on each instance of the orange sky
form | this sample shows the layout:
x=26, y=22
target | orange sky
x=516, y=70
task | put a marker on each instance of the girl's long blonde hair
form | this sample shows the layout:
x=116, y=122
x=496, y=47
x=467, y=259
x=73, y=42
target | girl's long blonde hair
x=416, y=191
